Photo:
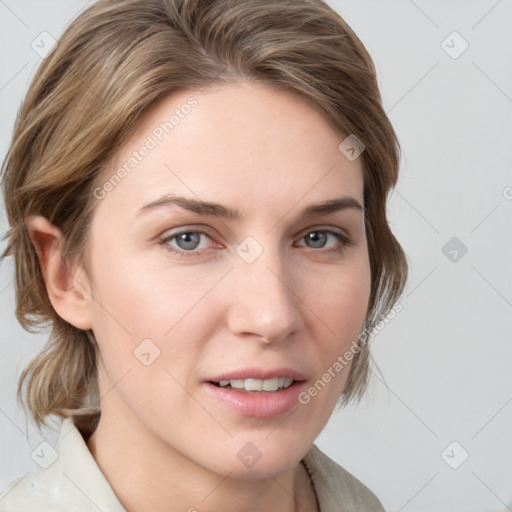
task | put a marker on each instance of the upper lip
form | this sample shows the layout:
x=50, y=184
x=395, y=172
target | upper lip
x=259, y=373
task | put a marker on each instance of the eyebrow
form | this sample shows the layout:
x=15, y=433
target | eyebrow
x=225, y=212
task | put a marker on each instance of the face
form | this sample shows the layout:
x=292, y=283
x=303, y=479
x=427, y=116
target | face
x=260, y=288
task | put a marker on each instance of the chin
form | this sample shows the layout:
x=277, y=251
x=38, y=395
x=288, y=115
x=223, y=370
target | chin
x=256, y=457
x=263, y=469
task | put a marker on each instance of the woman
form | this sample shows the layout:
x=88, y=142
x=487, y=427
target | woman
x=197, y=194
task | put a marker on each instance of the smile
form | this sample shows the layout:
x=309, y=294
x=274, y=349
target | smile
x=257, y=384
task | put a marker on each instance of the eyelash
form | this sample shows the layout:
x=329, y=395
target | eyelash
x=338, y=249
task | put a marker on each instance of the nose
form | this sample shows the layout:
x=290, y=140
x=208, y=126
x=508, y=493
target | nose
x=266, y=301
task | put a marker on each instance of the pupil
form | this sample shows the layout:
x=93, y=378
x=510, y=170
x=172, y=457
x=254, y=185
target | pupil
x=317, y=238
x=188, y=240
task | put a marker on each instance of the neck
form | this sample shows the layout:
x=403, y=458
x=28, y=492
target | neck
x=149, y=475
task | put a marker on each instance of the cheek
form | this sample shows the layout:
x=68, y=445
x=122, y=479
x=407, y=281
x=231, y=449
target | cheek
x=340, y=298
x=132, y=293
x=140, y=322
x=339, y=308
x=340, y=305
x=144, y=300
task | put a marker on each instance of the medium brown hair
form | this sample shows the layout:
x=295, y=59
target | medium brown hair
x=111, y=64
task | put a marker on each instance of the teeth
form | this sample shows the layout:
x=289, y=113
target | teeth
x=253, y=384
x=257, y=384
x=270, y=384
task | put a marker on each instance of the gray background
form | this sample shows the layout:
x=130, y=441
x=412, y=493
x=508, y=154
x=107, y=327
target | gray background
x=445, y=358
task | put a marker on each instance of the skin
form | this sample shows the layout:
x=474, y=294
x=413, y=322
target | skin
x=162, y=441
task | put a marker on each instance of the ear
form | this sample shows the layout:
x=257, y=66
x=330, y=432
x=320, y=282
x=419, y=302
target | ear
x=68, y=291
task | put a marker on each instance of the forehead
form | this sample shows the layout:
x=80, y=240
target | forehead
x=247, y=143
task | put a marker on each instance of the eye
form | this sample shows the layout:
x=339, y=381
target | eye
x=194, y=243
x=320, y=238
x=186, y=242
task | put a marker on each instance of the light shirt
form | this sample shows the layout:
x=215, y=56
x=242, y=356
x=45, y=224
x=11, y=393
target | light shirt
x=73, y=481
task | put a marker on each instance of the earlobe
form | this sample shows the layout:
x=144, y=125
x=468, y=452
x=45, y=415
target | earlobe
x=68, y=294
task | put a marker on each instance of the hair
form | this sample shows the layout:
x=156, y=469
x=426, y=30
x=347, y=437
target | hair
x=111, y=64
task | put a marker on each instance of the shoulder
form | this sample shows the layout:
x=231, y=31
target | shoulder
x=37, y=490
x=70, y=480
x=336, y=488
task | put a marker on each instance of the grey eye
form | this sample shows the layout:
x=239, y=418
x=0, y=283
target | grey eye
x=188, y=241
x=316, y=239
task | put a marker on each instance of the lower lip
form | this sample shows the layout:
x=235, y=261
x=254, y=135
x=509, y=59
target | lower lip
x=258, y=404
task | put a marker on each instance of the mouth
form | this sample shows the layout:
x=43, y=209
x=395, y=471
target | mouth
x=257, y=393
x=255, y=385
